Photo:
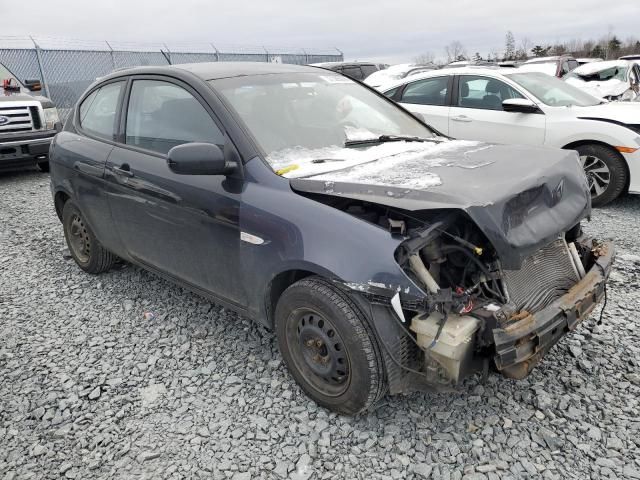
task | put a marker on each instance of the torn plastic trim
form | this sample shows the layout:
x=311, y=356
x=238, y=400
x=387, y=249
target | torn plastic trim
x=521, y=345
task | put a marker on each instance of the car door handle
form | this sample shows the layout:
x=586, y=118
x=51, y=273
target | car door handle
x=123, y=170
x=461, y=118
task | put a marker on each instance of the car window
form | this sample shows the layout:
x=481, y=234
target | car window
x=392, y=92
x=353, y=72
x=430, y=91
x=565, y=68
x=483, y=92
x=368, y=70
x=162, y=115
x=98, y=111
x=573, y=64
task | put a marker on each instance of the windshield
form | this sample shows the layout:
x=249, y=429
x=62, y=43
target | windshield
x=6, y=74
x=552, y=91
x=312, y=113
x=617, y=72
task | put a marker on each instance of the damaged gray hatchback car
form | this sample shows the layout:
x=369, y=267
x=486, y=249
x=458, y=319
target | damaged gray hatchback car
x=387, y=257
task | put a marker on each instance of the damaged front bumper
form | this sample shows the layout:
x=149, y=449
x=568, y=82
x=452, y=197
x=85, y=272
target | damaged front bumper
x=520, y=345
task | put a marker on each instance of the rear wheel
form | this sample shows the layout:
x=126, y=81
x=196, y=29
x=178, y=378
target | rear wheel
x=83, y=245
x=328, y=346
x=605, y=170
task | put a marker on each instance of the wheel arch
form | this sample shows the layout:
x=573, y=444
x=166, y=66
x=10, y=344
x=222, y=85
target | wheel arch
x=280, y=282
x=59, y=199
x=579, y=143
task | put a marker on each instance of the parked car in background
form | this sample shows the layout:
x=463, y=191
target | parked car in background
x=386, y=257
x=355, y=70
x=557, y=66
x=632, y=58
x=471, y=63
x=585, y=60
x=397, y=72
x=512, y=106
x=615, y=80
x=28, y=122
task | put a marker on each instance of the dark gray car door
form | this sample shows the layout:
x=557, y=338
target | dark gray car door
x=186, y=226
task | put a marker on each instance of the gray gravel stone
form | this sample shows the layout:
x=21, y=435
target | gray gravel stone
x=195, y=391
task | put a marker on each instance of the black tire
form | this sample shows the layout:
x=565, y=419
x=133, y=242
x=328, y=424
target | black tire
x=83, y=245
x=603, y=165
x=345, y=371
x=43, y=166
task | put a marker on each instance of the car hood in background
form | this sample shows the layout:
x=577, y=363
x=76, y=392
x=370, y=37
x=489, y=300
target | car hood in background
x=620, y=112
x=521, y=197
x=601, y=89
x=22, y=96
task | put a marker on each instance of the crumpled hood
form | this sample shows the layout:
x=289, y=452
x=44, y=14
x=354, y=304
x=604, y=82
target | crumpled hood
x=619, y=112
x=521, y=197
x=607, y=88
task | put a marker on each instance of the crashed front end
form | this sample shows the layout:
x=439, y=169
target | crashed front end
x=498, y=256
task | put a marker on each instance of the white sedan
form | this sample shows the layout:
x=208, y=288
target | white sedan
x=531, y=108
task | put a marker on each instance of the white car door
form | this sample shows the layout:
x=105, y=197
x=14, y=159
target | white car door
x=429, y=97
x=477, y=114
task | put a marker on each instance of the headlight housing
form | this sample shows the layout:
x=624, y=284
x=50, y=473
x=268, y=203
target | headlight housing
x=50, y=118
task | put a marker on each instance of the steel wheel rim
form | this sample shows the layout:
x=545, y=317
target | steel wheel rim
x=598, y=174
x=79, y=240
x=319, y=352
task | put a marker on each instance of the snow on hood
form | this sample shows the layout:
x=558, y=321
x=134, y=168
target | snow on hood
x=396, y=164
x=595, y=67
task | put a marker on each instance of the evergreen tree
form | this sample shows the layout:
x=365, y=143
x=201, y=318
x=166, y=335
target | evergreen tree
x=510, y=46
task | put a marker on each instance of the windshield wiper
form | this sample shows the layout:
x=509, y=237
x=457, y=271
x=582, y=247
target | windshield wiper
x=387, y=138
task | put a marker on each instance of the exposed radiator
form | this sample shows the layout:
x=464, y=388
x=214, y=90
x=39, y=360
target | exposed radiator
x=545, y=276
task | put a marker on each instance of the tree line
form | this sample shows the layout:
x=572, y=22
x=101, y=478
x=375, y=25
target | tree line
x=607, y=47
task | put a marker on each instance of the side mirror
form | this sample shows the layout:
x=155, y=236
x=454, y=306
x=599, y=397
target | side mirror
x=33, y=85
x=199, y=159
x=519, y=105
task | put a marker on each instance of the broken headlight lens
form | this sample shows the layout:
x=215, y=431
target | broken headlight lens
x=50, y=118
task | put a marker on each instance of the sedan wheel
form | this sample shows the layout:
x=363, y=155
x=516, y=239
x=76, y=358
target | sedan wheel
x=329, y=347
x=606, y=172
x=83, y=245
x=598, y=174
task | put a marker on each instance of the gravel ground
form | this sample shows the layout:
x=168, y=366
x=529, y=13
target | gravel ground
x=92, y=386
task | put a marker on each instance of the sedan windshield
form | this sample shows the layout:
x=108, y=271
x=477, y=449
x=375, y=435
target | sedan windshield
x=316, y=113
x=552, y=91
x=617, y=72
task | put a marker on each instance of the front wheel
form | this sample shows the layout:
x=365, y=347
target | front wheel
x=329, y=347
x=605, y=170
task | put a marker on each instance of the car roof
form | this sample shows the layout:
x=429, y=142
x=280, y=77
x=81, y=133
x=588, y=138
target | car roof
x=215, y=70
x=470, y=70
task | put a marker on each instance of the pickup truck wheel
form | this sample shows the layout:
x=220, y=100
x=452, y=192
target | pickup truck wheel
x=83, y=245
x=328, y=346
x=606, y=172
x=43, y=166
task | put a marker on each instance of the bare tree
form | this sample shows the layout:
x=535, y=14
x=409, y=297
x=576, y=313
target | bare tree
x=509, y=46
x=455, y=51
x=525, y=46
x=424, y=58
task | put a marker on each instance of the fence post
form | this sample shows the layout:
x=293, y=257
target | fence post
x=217, y=52
x=167, y=55
x=306, y=56
x=341, y=54
x=113, y=60
x=267, y=53
x=42, y=75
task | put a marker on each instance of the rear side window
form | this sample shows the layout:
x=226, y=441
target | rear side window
x=368, y=70
x=353, y=72
x=162, y=115
x=98, y=111
x=431, y=91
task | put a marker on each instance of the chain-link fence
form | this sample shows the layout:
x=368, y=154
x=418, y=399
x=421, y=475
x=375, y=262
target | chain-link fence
x=67, y=67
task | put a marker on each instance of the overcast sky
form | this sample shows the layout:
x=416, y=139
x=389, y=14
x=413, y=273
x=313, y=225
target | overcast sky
x=390, y=31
